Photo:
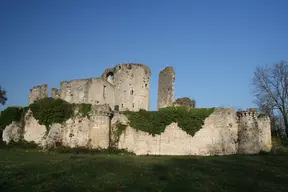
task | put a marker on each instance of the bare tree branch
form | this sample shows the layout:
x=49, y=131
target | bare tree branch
x=271, y=89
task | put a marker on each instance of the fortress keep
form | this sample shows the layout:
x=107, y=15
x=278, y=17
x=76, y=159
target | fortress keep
x=124, y=87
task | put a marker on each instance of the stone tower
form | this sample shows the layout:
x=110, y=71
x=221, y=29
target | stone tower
x=166, y=87
x=132, y=86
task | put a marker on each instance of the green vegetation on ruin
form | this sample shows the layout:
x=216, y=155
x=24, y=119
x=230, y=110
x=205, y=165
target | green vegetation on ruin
x=47, y=111
x=24, y=169
x=155, y=122
x=9, y=115
x=84, y=109
x=120, y=128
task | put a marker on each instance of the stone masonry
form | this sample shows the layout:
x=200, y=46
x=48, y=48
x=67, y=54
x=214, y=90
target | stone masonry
x=38, y=92
x=166, y=87
x=55, y=93
x=125, y=87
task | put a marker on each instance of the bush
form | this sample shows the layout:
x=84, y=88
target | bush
x=22, y=144
x=84, y=109
x=155, y=122
x=85, y=150
x=48, y=111
x=185, y=102
x=9, y=115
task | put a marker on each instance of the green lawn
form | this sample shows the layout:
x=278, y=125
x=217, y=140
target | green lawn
x=38, y=171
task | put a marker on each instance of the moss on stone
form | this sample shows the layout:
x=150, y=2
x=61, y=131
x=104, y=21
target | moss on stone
x=155, y=122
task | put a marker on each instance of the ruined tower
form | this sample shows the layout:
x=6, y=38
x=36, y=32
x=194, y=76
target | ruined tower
x=38, y=92
x=166, y=87
x=132, y=86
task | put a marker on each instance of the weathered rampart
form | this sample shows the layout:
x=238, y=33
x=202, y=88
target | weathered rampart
x=224, y=132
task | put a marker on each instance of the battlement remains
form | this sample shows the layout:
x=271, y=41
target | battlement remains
x=38, y=92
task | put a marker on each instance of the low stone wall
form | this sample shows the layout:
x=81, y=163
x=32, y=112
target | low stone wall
x=218, y=136
x=78, y=131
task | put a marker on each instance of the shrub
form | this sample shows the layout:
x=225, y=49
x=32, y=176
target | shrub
x=22, y=144
x=155, y=122
x=84, y=109
x=185, y=102
x=117, y=129
x=85, y=150
x=9, y=115
x=48, y=111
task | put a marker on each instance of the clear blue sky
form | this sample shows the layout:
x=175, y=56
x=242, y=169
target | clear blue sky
x=214, y=46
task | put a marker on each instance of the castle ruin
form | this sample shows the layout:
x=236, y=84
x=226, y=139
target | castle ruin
x=127, y=87
x=124, y=87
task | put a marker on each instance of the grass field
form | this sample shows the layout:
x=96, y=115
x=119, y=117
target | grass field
x=22, y=170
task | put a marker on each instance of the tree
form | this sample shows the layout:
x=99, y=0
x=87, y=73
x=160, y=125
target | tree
x=270, y=85
x=3, y=97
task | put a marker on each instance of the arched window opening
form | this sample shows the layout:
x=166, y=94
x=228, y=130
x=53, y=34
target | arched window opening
x=131, y=92
x=110, y=77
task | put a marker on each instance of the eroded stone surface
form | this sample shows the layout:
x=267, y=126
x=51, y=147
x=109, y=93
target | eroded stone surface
x=218, y=136
x=12, y=132
x=33, y=131
x=223, y=133
x=166, y=87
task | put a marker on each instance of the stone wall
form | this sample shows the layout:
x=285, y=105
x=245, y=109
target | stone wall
x=75, y=91
x=126, y=87
x=224, y=132
x=95, y=91
x=77, y=131
x=254, y=134
x=264, y=125
x=218, y=136
x=166, y=87
x=132, y=86
x=38, y=92
x=55, y=93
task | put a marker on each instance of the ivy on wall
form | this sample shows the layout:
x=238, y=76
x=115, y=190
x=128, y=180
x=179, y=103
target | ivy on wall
x=155, y=122
x=47, y=111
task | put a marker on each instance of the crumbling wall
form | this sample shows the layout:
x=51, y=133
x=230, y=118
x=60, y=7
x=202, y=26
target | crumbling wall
x=78, y=131
x=12, y=132
x=38, y=92
x=248, y=133
x=95, y=91
x=166, y=87
x=132, y=86
x=74, y=91
x=33, y=131
x=101, y=92
x=218, y=136
x=55, y=93
x=185, y=102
